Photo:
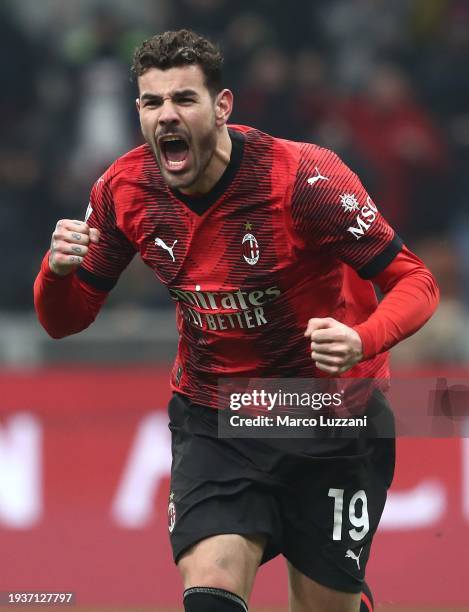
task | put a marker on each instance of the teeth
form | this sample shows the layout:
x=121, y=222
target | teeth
x=169, y=138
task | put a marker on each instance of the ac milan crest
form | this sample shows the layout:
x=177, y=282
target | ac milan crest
x=250, y=249
x=171, y=513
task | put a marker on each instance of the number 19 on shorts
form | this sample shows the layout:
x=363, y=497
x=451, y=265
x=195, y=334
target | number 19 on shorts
x=358, y=517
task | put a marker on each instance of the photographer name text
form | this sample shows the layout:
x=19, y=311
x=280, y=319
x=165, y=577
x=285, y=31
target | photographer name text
x=238, y=420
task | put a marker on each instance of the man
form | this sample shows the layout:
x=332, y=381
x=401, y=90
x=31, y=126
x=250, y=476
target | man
x=268, y=248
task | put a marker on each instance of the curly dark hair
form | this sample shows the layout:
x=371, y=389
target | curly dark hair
x=181, y=48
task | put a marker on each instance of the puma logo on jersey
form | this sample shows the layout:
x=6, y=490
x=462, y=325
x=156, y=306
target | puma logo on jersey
x=351, y=555
x=163, y=245
x=317, y=177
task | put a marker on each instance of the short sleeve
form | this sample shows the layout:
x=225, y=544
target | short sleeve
x=332, y=211
x=106, y=260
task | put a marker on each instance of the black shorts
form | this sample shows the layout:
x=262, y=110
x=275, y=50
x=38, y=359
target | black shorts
x=319, y=511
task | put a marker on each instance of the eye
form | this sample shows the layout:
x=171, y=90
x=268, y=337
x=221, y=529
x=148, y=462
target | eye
x=152, y=103
x=185, y=101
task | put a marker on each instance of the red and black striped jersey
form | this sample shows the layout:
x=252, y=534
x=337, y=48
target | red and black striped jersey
x=288, y=233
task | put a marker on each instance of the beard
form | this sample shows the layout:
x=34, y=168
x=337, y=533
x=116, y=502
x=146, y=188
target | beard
x=201, y=152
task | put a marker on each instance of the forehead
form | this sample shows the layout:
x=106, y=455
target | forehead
x=164, y=82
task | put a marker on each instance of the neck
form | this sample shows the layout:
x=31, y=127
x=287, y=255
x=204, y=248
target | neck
x=216, y=166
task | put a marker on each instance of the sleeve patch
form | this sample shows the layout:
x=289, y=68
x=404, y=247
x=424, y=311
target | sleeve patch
x=98, y=282
x=381, y=261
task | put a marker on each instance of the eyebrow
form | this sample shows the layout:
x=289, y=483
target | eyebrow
x=182, y=93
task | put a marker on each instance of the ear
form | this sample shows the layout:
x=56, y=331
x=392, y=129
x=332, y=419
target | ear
x=137, y=104
x=223, y=107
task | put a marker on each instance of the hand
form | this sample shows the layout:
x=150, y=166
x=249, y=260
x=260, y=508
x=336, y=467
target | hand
x=335, y=347
x=69, y=245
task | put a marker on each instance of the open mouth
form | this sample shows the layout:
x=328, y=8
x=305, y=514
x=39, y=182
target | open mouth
x=175, y=153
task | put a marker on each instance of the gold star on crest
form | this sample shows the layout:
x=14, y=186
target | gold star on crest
x=248, y=226
x=171, y=496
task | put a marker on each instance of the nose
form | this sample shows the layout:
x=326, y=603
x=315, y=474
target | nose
x=168, y=113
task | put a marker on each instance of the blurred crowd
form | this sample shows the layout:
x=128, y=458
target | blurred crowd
x=384, y=84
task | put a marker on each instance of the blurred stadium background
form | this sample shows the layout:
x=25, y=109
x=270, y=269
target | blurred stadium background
x=84, y=453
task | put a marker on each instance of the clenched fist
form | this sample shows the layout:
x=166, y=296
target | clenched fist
x=69, y=245
x=335, y=347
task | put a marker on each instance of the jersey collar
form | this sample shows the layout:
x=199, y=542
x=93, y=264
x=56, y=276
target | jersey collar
x=200, y=204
